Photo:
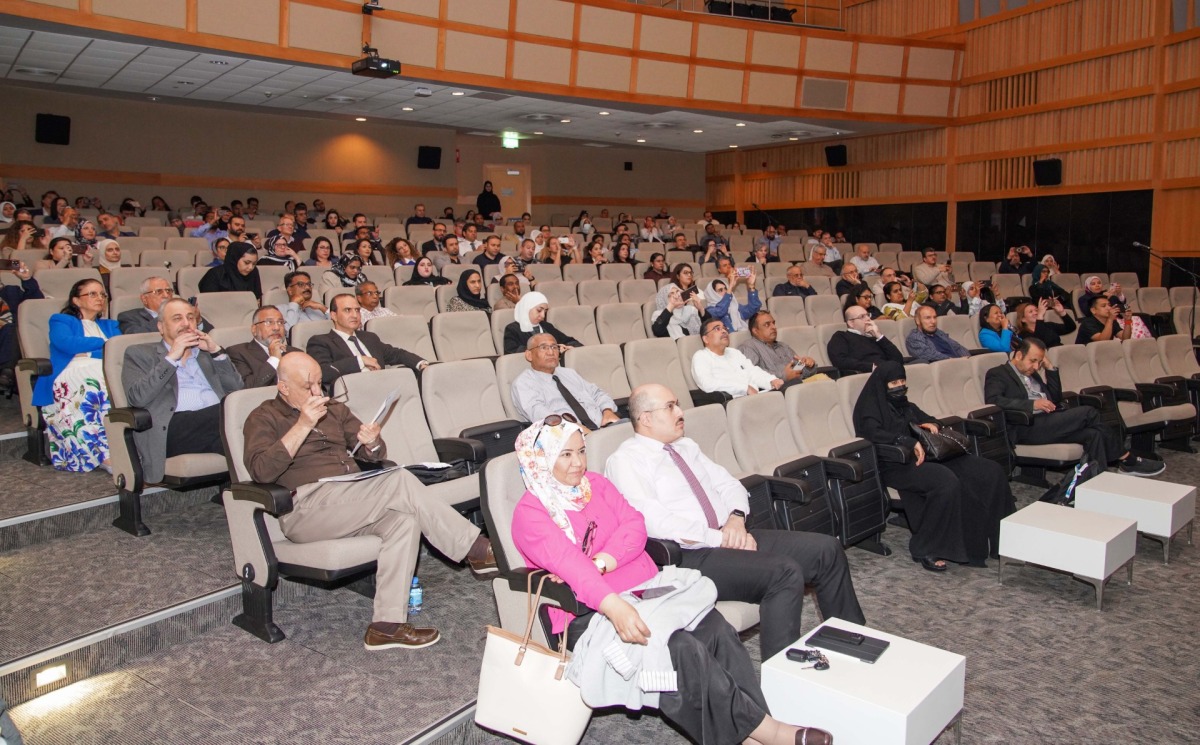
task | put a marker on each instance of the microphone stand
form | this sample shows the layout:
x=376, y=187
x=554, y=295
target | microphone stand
x=770, y=218
x=1195, y=284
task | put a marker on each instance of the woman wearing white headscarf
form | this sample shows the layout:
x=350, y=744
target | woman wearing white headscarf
x=575, y=524
x=8, y=212
x=529, y=320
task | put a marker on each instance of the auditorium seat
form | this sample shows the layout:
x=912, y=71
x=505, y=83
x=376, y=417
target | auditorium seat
x=891, y=330
x=1069, y=281
x=597, y=292
x=1152, y=402
x=578, y=321
x=982, y=270
x=546, y=272
x=636, y=290
x=223, y=309
x=508, y=367
x=805, y=342
x=180, y=472
x=176, y=258
x=1181, y=296
x=579, y=272
x=271, y=277
x=559, y=293
x=617, y=272
x=406, y=332
x=500, y=320
x=906, y=259
x=57, y=283
x=451, y=272
x=462, y=399
x=962, y=329
x=617, y=323
x=33, y=334
x=413, y=300
x=443, y=293
x=187, y=280
x=1128, y=280
x=329, y=293
x=604, y=366
x=383, y=277
x=305, y=330
x=231, y=335
x=460, y=336
x=127, y=280
x=824, y=309
x=656, y=361
x=118, y=304
x=1007, y=287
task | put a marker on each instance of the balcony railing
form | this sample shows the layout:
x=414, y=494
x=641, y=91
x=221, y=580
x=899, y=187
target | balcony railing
x=818, y=13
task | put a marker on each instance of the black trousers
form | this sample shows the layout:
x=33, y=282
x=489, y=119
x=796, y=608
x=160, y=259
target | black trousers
x=774, y=576
x=1079, y=425
x=195, y=432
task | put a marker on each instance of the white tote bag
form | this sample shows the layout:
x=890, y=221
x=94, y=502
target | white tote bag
x=523, y=689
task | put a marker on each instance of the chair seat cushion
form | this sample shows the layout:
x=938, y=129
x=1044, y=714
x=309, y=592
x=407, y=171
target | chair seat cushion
x=339, y=553
x=195, y=465
x=1060, y=451
x=740, y=616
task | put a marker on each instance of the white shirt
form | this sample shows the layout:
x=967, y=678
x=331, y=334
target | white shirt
x=649, y=479
x=832, y=254
x=353, y=347
x=730, y=373
x=865, y=266
x=272, y=361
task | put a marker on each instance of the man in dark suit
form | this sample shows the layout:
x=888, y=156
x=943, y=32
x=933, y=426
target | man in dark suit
x=257, y=361
x=862, y=345
x=347, y=349
x=144, y=320
x=438, y=243
x=181, y=380
x=1018, y=386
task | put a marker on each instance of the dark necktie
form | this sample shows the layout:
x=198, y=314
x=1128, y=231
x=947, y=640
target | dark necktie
x=573, y=402
x=359, y=347
x=705, y=505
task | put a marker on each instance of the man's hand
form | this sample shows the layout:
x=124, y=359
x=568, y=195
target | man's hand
x=371, y=363
x=314, y=304
x=608, y=417
x=368, y=434
x=625, y=619
x=751, y=279
x=751, y=390
x=183, y=342
x=871, y=330
x=920, y=453
x=277, y=348
x=1044, y=404
x=296, y=295
x=776, y=383
x=313, y=411
x=22, y=271
x=734, y=535
x=205, y=342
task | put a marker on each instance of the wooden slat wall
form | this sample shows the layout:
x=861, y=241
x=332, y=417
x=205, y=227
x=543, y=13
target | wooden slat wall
x=1105, y=85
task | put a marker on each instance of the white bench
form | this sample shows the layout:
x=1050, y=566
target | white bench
x=1088, y=545
x=1161, y=509
x=909, y=696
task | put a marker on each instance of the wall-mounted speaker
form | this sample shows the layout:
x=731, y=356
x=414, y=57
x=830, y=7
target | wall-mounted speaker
x=429, y=157
x=51, y=129
x=1047, y=172
x=629, y=165
x=835, y=156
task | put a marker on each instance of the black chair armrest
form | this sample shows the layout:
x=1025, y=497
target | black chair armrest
x=977, y=352
x=460, y=448
x=1153, y=389
x=829, y=370
x=1125, y=394
x=893, y=454
x=373, y=465
x=700, y=398
x=1012, y=416
x=844, y=373
x=136, y=419
x=664, y=553
x=973, y=427
x=786, y=483
x=560, y=593
x=912, y=360
x=1071, y=400
x=274, y=499
x=622, y=407
x=37, y=365
x=843, y=470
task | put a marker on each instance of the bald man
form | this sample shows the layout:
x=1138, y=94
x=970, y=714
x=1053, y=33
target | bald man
x=688, y=498
x=300, y=437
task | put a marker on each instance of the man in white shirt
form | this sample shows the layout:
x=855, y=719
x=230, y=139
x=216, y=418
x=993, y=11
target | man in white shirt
x=716, y=367
x=547, y=389
x=369, y=295
x=868, y=265
x=687, y=498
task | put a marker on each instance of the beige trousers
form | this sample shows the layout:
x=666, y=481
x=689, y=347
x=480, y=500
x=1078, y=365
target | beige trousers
x=394, y=507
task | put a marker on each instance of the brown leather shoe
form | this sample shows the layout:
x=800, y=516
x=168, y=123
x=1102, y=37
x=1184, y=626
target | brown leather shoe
x=384, y=635
x=813, y=736
x=486, y=565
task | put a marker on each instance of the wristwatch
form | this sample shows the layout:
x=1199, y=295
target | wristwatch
x=738, y=513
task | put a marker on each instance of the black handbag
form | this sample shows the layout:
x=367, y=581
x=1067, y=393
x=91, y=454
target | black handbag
x=940, y=446
x=456, y=469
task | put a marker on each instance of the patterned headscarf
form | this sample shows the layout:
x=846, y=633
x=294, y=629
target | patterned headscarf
x=537, y=449
x=79, y=233
x=339, y=268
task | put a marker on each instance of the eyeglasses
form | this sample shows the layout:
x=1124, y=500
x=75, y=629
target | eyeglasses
x=668, y=406
x=159, y=291
x=300, y=284
x=102, y=295
x=270, y=322
x=858, y=318
x=371, y=293
x=546, y=347
x=340, y=398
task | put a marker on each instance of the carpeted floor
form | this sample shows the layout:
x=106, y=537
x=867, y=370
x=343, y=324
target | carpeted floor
x=1043, y=666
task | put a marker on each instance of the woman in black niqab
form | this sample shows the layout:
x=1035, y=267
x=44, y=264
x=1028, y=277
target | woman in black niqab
x=953, y=508
x=229, y=276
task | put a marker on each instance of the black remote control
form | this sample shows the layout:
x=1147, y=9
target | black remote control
x=846, y=637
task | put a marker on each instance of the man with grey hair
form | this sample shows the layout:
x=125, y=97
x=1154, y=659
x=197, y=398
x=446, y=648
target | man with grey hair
x=928, y=343
x=369, y=296
x=144, y=320
x=258, y=360
x=688, y=498
x=861, y=345
x=547, y=389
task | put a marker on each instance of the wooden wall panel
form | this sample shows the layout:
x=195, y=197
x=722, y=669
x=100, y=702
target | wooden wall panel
x=1182, y=161
x=1183, y=61
x=1177, y=221
x=898, y=17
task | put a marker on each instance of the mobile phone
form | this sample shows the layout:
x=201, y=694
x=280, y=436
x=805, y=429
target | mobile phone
x=79, y=249
x=836, y=634
x=653, y=592
x=9, y=264
x=251, y=236
x=743, y=271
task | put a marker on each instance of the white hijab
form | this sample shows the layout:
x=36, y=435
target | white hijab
x=528, y=302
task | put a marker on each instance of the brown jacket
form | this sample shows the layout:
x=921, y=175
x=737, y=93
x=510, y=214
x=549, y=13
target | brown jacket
x=325, y=452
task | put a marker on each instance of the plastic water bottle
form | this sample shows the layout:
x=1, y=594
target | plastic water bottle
x=416, y=597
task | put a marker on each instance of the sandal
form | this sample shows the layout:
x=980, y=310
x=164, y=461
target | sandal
x=931, y=564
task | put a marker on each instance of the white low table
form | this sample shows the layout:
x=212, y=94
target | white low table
x=1161, y=509
x=1088, y=545
x=909, y=696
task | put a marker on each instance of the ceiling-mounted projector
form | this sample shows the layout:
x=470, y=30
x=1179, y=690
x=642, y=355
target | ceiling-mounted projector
x=375, y=66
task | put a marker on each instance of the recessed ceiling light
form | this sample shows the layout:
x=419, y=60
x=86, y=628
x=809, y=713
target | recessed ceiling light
x=407, y=108
x=641, y=140
x=733, y=146
x=458, y=93
x=537, y=133
x=740, y=124
x=360, y=118
x=153, y=98
x=793, y=139
x=564, y=121
x=698, y=131
x=603, y=113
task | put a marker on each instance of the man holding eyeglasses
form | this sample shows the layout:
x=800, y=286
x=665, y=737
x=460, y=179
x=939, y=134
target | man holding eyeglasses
x=300, y=305
x=369, y=295
x=861, y=345
x=257, y=361
x=181, y=380
x=144, y=320
x=688, y=498
x=546, y=389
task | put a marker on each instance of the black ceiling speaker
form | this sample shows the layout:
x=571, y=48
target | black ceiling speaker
x=429, y=157
x=51, y=129
x=835, y=156
x=1047, y=172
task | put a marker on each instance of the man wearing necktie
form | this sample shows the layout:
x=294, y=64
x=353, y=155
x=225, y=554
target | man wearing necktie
x=688, y=498
x=547, y=389
x=348, y=349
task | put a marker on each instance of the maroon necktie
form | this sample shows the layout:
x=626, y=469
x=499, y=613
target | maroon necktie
x=709, y=513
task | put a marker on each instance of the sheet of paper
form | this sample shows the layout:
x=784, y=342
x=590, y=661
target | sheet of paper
x=384, y=407
x=359, y=476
